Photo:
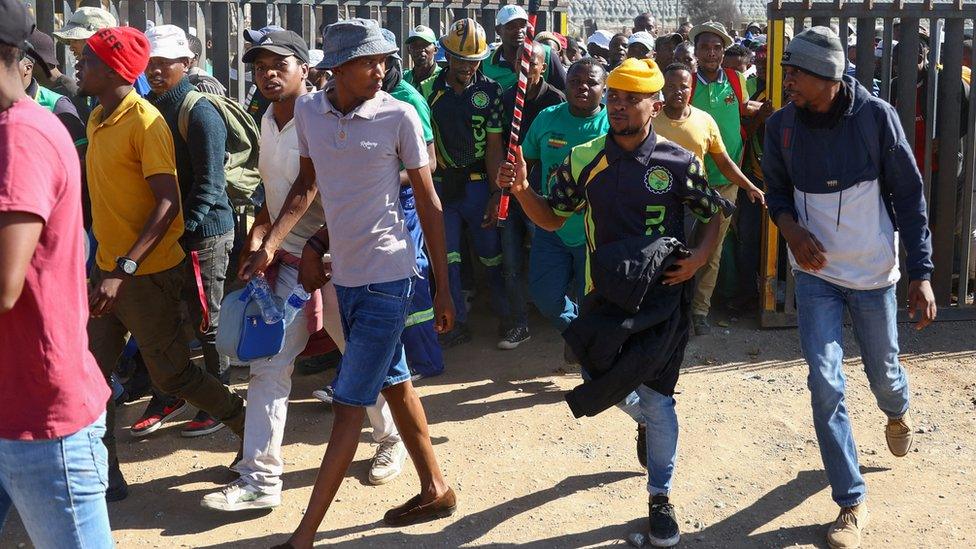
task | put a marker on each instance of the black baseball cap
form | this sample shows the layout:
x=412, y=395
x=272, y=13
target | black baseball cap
x=41, y=50
x=16, y=23
x=277, y=42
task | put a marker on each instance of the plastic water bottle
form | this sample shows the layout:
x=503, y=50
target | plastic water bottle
x=265, y=299
x=295, y=302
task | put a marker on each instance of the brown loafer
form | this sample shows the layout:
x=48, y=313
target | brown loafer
x=412, y=512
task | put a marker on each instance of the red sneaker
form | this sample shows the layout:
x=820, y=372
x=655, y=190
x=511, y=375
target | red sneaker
x=202, y=424
x=156, y=414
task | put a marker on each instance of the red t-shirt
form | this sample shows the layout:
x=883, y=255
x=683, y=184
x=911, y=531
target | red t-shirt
x=50, y=384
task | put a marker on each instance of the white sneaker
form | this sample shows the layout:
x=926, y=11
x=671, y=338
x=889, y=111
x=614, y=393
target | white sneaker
x=387, y=463
x=324, y=394
x=238, y=496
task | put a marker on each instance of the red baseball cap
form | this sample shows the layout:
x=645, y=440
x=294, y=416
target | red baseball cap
x=124, y=49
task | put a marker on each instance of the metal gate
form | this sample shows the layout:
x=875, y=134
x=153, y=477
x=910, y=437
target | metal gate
x=951, y=221
x=223, y=20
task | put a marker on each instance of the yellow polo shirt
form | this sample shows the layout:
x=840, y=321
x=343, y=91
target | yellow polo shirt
x=132, y=144
x=698, y=133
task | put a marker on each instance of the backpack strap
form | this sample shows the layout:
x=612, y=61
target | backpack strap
x=183, y=120
x=867, y=126
x=786, y=136
x=736, y=83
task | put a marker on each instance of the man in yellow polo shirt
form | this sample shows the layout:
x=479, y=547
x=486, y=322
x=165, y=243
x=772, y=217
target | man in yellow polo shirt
x=137, y=221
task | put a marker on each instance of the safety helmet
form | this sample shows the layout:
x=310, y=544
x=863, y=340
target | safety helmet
x=466, y=39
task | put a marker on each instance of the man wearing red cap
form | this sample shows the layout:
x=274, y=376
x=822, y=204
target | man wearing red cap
x=137, y=220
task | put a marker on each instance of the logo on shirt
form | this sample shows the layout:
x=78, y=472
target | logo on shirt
x=368, y=145
x=658, y=180
x=730, y=98
x=480, y=100
x=557, y=141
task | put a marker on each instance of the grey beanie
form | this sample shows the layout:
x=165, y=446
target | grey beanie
x=817, y=50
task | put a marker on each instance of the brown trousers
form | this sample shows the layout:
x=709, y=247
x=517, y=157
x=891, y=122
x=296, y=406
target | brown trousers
x=149, y=308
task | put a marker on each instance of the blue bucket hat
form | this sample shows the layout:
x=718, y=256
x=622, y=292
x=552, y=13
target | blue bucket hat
x=391, y=38
x=351, y=39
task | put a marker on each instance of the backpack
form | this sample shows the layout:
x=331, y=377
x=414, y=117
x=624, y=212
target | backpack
x=243, y=136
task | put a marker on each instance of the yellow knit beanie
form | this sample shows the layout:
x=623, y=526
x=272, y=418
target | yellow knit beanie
x=636, y=76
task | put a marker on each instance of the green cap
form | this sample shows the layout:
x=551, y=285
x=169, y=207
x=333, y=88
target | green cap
x=423, y=33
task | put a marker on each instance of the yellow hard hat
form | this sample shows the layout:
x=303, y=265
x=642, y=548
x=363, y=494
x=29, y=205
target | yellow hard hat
x=466, y=39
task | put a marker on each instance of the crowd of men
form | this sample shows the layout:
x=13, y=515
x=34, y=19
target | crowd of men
x=636, y=150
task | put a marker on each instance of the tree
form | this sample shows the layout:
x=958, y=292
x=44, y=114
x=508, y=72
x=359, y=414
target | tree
x=723, y=11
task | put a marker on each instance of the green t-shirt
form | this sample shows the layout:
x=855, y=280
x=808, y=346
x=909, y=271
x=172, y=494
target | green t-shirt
x=408, y=94
x=719, y=100
x=502, y=73
x=408, y=76
x=554, y=132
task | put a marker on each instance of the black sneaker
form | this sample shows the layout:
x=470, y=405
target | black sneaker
x=118, y=488
x=701, y=325
x=663, y=523
x=514, y=337
x=642, y=445
x=457, y=336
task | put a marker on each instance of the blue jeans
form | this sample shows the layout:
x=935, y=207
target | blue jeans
x=555, y=267
x=470, y=211
x=656, y=412
x=820, y=310
x=373, y=318
x=58, y=487
x=514, y=231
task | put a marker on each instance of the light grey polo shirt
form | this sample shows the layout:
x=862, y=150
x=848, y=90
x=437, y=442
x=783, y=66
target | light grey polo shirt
x=357, y=160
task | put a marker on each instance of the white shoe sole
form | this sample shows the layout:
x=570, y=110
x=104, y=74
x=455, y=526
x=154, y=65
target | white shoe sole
x=267, y=502
x=505, y=345
x=670, y=542
x=160, y=423
x=202, y=432
x=378, y=481
x=322, y=396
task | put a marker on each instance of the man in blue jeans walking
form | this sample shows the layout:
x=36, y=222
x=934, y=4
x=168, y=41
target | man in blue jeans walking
x=843, y=186
x=53, y=464
x=352, y=140
x=629, y=183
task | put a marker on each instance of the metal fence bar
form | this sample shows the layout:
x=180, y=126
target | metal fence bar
x=137, y=13
x=943, y=213
x=968, y=190
x=865, y=51
x=886, y=40
x=931, y=107
x=907, y=63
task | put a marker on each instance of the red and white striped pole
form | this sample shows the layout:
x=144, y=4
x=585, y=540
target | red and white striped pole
x=523, y=82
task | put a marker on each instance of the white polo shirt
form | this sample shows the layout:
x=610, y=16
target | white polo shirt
x=278, y=164
x=357, y=158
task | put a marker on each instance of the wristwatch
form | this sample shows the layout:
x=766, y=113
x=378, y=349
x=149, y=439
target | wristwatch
x=127, y=265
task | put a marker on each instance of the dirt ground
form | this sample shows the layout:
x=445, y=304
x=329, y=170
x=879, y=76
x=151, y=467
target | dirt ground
x=527, y=473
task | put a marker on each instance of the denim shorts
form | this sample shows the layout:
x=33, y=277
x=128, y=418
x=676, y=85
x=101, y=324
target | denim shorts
x=373, y=317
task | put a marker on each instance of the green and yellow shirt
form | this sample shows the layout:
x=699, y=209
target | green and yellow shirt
x=462, y=122
x=719, y=99
x=624, y=194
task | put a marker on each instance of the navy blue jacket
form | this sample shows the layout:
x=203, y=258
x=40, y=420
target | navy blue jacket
x=838, y=160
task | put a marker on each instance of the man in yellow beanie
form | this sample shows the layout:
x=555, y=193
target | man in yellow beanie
x=629, y=184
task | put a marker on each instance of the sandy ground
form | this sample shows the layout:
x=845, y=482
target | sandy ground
x=527, y=473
